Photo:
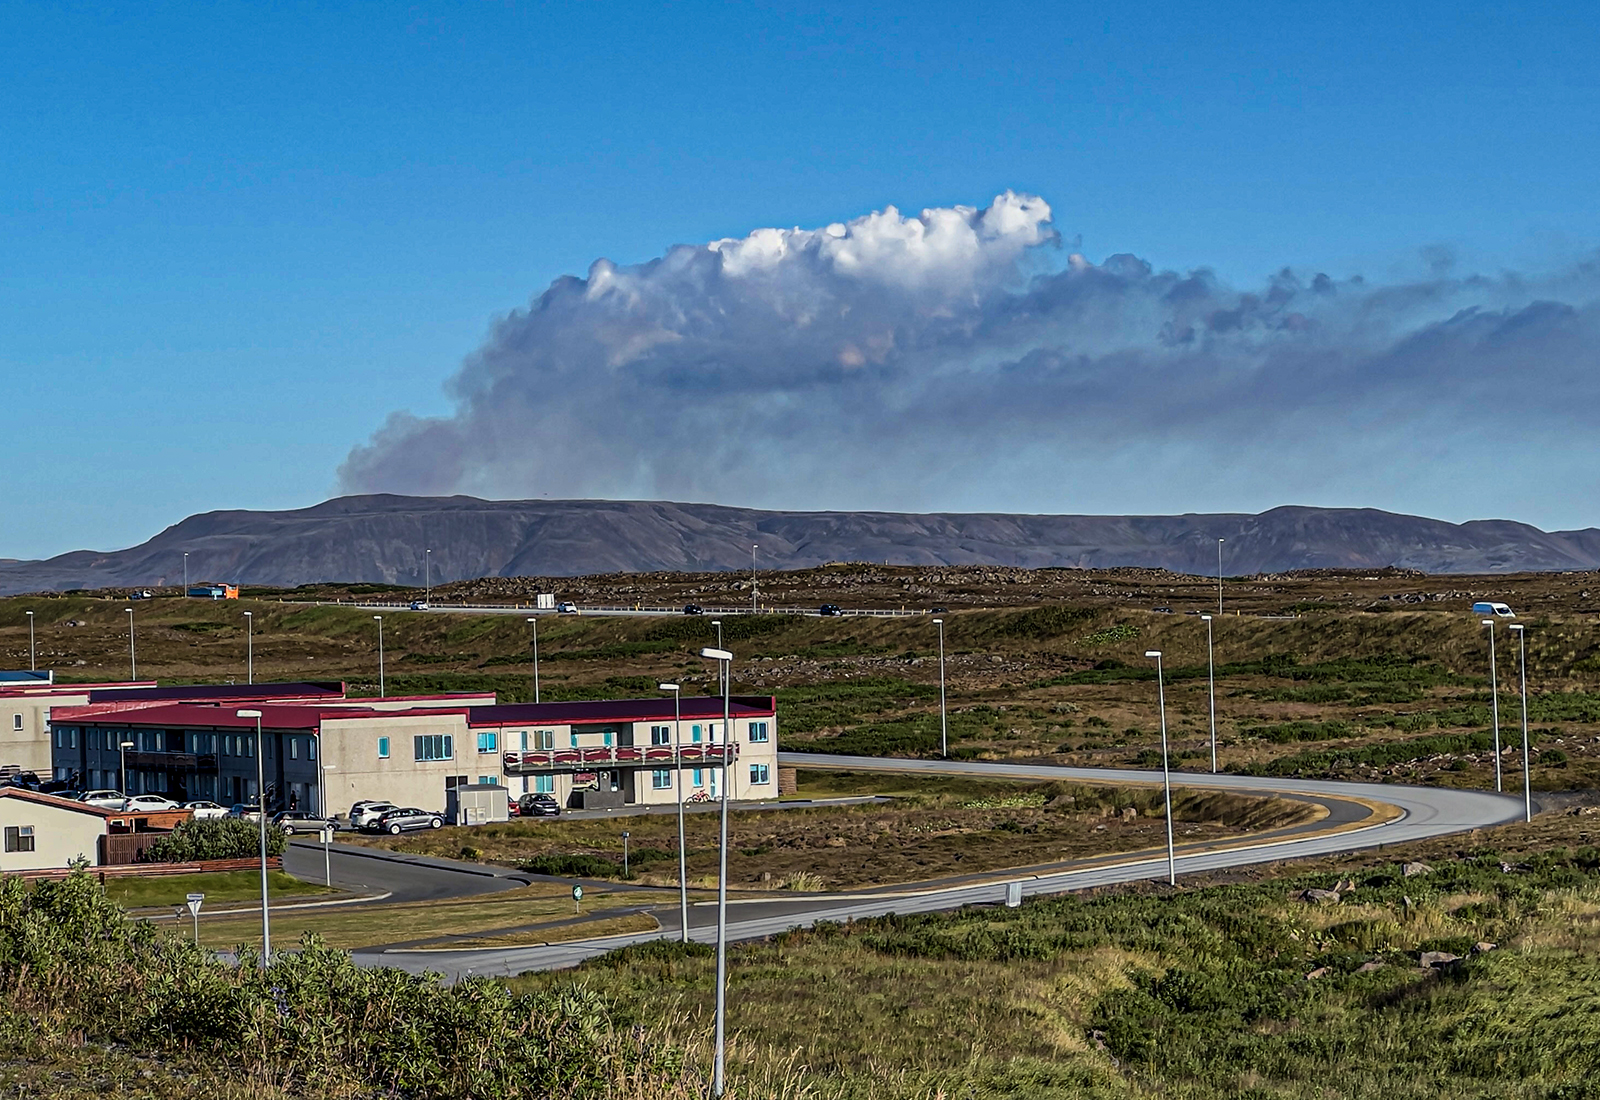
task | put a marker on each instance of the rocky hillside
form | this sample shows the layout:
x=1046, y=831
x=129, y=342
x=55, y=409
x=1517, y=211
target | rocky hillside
x=384, y=538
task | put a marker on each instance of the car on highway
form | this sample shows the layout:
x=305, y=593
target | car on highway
x=419, y=605
x=566, y=608
x=830, y=609
x=106, y=800
x=1498, y=610
x=204, y=810
x=142, y=594
x=538, y=805
x=148, y=803
x=405, y=820
x=693, y=609
x=300, y=821
x=368, y=810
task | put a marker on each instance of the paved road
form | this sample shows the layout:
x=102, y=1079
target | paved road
x=1424, y=812
x=407, y=878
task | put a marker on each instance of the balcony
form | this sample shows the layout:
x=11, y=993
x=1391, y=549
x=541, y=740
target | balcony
x=543, y=761
x=172, y=761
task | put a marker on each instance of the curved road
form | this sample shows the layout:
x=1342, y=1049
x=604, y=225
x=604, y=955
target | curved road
x=1422, y=812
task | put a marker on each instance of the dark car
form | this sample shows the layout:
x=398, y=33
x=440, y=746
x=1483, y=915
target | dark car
x=538, y=805
x=830, y=609
x=693, y=609
x=404, y=820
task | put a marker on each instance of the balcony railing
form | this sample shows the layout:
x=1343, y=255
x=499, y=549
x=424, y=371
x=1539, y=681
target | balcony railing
x=656, y=756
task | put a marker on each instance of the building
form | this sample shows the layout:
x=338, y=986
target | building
x=324, y=756
x=25, y=717
x=43, y=833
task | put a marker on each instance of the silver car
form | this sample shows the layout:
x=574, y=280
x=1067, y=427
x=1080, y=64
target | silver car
x=367, y=811
x=204, y=810
x=106, y=800
x=404, y=820
x=148, y=803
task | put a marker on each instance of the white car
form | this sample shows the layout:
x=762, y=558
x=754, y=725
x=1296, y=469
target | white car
x=205, y=811
x=106, y=800
x=566, y=609
x=367, y=811
x=148, y=803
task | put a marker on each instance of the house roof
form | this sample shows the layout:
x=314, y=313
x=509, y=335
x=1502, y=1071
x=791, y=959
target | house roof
x=619, y=710
x=301, y=689
x=53, y=801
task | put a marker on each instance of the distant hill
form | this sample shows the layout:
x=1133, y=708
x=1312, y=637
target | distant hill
x=382, y=539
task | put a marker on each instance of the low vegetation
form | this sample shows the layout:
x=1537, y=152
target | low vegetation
x=214, y=838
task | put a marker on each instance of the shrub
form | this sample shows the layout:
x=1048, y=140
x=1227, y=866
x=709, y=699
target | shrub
x=218, y=838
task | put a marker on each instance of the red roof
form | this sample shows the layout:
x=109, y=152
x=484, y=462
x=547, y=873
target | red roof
x=58, y=803
x=620, y=710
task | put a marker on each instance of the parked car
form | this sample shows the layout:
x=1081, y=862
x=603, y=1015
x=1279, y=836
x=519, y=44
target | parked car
x=830, y=609
x=148, y=803
x=106, y=800
x=205, y=811
x=693, y=609
x=245, y=811
x=567, y=608
x=367, y=811
x=512, y=810
x=538, y=805
x=404, y=820
x=300, y=821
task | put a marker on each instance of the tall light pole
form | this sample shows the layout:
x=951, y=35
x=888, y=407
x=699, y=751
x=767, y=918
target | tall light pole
x=718, y=624
x=122, y=750
x=382, y=693
x=1522, y=666
x=133, y=659
x=1211, y=681
x=250, y=647
x=677, y=784
x=752, y=579
x=427, y=589
x=186, y=574
x=535, y=624
x=944, y=717
x=1494, y=695
x=725, y=659
x=1219, y=575
x=32, y=666
x=261, y=821
x=1166, y=773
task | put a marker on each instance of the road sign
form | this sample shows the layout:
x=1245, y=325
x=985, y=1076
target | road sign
x=577, y=897
x=194, y=904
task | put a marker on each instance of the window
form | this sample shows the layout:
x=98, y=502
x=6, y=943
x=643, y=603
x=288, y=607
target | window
x=435, y=746
x=311, y=748
x=16, y=721
x=758, y=773
x=758, y=733
x=383, y=748
x=19, y=838
x=661, y=735
x=609, y=737
x=661, y=779
x=574, y=738
x=544, y=739
x=544, y=784
x=453, y=781
x=699, y=780
x=294, y=748
x=488, y=741
x=694, y=734
x=488, y=779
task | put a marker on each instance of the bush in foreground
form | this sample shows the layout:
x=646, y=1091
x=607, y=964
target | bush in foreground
x=217, y=838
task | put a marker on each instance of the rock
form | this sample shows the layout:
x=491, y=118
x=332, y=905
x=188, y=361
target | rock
x=1369, y=966
x=838, y=842
x=1413, y=869
x=1319, y=972
x=1320, y=897
x=1129, y=814
x=1439, y=960
x=1482, y=947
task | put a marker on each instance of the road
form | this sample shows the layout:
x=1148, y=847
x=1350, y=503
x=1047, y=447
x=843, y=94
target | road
x=609, y=611
x=1422, y=812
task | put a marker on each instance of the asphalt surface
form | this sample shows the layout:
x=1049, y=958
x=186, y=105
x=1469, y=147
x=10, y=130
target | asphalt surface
x=403, y=878
x=1423, y=812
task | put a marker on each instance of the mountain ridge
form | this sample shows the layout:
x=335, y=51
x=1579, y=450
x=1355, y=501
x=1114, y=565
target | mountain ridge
x=382, y=538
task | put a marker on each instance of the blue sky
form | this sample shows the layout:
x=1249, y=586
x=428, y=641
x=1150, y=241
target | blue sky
x=237, y=237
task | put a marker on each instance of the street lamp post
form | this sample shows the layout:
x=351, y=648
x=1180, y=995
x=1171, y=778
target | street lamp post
x=1219, y=575
x=186, y=574
x=133, y=658
x=1494, y=695
x=1166, y=773
x=624, y=853
x=31, y=662
x=1211, y=682
x=250, y=647
x=1522, y=668
x=718, y=624
x=535, y=624
x=261, y=822
x=122, y=751
x=677, y=783
x=382, y=692
x=944, y=717
x=725, y=659
x=752, y=579
x=427, y=583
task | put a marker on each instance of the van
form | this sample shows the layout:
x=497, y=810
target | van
x=1498, y=610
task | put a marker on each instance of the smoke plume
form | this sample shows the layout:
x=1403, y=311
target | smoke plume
x=961, y=359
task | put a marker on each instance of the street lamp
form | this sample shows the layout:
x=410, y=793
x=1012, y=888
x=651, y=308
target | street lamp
x=752, y=579
x=944, y=718
x=1211, y=680
x=261, y=821
x=677, y=783
x=186, y=574
x=725, y=659
x=133, y=659
x=122, y=751
x=535, y=623
x=1166, y=773
x=427, y=584
x=624, y=853
x=718, y=624
x=381, y=692
x=1219, y=575
x=31, y=665
x=1494, y=695
x=250, y=647
x=1522, y=667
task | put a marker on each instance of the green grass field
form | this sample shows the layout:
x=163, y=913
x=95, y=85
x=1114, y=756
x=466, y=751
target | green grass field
x=134, y=892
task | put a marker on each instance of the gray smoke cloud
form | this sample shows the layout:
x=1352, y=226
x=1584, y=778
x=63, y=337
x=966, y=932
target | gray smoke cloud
x=963, y=359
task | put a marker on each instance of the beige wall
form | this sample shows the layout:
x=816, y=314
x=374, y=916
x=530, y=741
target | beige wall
x=59, y=835
x=29, y=747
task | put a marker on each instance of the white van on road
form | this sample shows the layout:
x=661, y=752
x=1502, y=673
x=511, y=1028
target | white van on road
x=1498, y=610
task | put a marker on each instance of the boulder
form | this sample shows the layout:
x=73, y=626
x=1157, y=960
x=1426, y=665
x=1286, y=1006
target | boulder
x=1319, y=972
x=1320, y=897
x=1439, y=960
x=1413, y=869
x=1482, y=947
x=1369, y=966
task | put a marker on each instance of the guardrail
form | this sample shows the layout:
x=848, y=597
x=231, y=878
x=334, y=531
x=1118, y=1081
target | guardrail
x=637, y=609
x=629, y=756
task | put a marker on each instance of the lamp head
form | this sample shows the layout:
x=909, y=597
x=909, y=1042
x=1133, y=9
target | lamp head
x=247, y=713
x=938, y=622
x=378, y=617
x=531, y=619
x=667, y=687
x=1517, y=627
x=716, y=654
x=125, y=744
x=1205, y=618
x=1488, y=622
x=1155, y=653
